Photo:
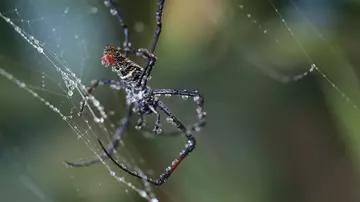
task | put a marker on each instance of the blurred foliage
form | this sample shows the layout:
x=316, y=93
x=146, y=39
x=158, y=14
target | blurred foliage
x=265, y=140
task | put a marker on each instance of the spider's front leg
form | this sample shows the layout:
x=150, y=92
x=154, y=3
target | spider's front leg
x=112, y=146
x=115, y=11
x=151, y=62
x=145, y=75
x=198, y=98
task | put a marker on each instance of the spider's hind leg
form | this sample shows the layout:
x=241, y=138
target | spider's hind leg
x=111, y=148
x=198, y=98
x=190, y=146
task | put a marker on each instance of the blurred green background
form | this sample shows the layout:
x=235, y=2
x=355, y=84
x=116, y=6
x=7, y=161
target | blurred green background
x=266, y=140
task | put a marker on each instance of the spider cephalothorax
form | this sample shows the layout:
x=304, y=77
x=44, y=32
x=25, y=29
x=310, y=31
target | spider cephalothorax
x=129, y=73
x=141, y=99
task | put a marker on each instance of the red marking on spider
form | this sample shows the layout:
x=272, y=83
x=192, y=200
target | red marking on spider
x=107, y=60
x=173, y=167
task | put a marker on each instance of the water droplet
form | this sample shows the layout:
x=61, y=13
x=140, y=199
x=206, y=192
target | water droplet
x=40, y=50
x=70, y=93
x=143, y=194
x=167, y=95
x=113, y=11
x=169, y=119
x=98, y=120
x=107, y=3
x=185, y=97
x=196, y=98
x=22, y=85
x=313, y=66
x=96, y=103
x=197, y=128
x=158, y=131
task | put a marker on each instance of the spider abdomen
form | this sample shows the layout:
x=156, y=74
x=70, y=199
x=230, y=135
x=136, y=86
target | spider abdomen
x=125, y=68
x=131, y=72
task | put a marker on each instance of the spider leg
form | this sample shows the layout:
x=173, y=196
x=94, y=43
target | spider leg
x=159, y=13
x=124, y=168
x=190, y=146
x=111, y=148
x=96, y=84
x=145, y=53
x=165, y=175
x=151, y=62
x=198, y=98
x=115, y=11
x=148, y=131
x=140, y=122
x=157, y=127
x=146, y=73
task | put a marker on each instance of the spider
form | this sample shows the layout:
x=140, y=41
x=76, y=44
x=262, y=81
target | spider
x=140, y=98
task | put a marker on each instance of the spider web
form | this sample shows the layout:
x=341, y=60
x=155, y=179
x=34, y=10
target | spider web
x=51, y=61
x=302, y=29
x=54, y=63
x=298, y=41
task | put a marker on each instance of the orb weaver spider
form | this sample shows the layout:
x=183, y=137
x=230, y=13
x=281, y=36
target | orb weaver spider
x=140, y=98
